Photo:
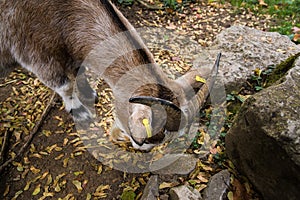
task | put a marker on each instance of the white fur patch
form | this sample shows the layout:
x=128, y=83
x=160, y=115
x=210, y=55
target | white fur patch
x=71, y=102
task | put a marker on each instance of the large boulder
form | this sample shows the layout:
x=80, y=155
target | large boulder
x=245, y=49
x=264, y=141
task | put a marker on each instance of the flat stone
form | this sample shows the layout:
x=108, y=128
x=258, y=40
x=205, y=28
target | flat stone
x=184, y=192
x=151, y=189
x=181, y=164
x=217, y=186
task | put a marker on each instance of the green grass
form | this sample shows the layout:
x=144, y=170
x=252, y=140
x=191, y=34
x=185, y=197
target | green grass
x=286, y=13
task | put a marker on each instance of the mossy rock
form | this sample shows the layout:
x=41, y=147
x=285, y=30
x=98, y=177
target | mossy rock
x=281, y=69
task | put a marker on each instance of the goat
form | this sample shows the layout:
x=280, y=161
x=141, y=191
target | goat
x=54, y=38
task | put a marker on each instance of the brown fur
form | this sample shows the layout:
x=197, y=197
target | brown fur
x=52, y=38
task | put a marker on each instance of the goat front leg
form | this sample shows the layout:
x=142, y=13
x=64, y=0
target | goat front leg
x=55, y=76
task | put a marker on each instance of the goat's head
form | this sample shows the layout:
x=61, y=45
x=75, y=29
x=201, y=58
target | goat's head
x=152, y=117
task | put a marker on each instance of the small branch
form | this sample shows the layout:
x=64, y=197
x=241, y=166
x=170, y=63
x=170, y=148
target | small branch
x=4, y=145
x=148, y=6
x=9, y=82
x=32, y=133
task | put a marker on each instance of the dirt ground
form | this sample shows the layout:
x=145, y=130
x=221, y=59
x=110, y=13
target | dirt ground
x=55, y=166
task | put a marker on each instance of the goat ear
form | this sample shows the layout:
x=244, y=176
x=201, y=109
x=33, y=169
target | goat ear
x=174, y=113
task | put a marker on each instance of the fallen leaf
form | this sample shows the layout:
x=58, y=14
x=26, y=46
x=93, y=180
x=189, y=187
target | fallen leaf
x=77, y=185
x=34, y=170
x=230, y=195
x=78, y=173
x=88, y=196
x=100, y=191
x=17, y=194
x=49, y=179
x=36, y=190
x=27, y=185
x=296, y=37
x=6, y=191
x=167, y=185
x=262, y=3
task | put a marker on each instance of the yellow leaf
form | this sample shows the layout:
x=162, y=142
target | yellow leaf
x=65, y=162
x=17, y=194
x=230, y=195
x=34, y=170
x=27, y=186
x=262, y=3
x=99, y=171
x=57, y=188
x=199, y=79
x=77, y=185
x=59, y=156
x=49, y=179
x=100, y=193
x=78, y=173
x=167, y=185
x=26, y=160
x=257, y=71
x=49, y=149
x=88, y=196
x=37, y=190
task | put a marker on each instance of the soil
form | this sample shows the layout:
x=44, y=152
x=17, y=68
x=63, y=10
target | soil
x=52, y=166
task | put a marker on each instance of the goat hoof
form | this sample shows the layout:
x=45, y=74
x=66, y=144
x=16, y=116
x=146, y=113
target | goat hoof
x=82, y=115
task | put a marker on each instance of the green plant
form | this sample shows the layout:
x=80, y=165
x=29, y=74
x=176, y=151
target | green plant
x=286, y=13
x=170, y=3
x=126, y=2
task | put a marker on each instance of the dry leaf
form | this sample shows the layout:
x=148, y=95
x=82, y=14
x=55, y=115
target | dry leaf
x=167, y=185
x=296, y=37
x=262, y=3
x=78, y=173
x=34, y=170
x=27, y=186
x=88, y=196
x=49, y=179
x=77, y=185
x=36, y=190
x=6, y=191
x=100, y=193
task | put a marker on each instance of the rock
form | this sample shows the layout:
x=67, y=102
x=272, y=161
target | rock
x=243, y=50
x=184, y=192
x=151, y=189
x=217, y=186
x=181, y=164
x=264, y=141
x=164, y=197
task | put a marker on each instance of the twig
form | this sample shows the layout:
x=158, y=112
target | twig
x=4, y=144
x=9, y=82
x=151, y=7
x=33, y=132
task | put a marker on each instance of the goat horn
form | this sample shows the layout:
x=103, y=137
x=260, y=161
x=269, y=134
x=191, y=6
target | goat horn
x=199, y=99
x=174, y=113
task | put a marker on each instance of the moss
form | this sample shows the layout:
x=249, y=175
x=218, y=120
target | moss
x=281, y=69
